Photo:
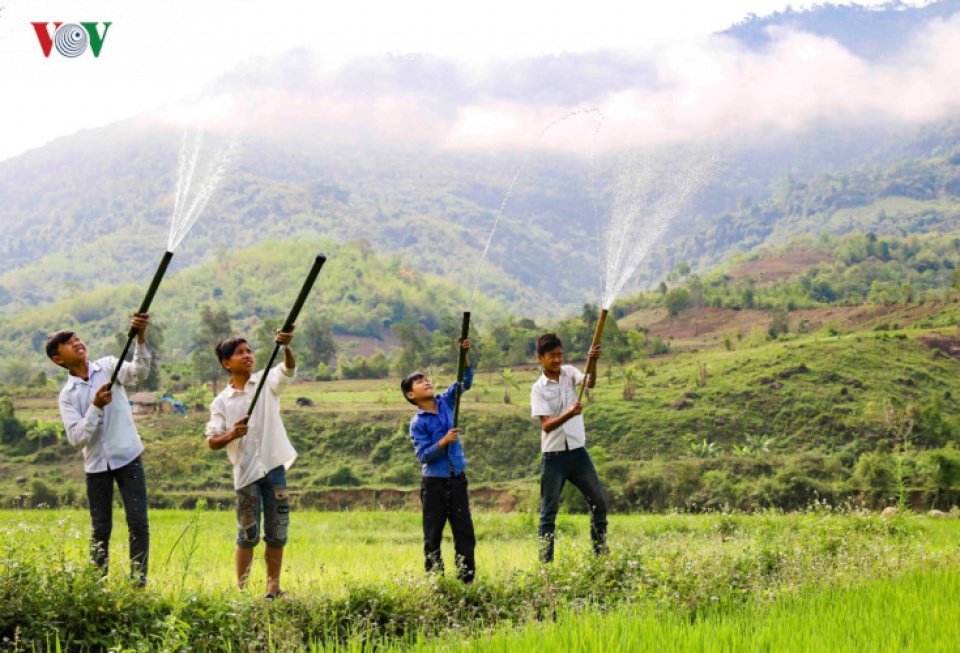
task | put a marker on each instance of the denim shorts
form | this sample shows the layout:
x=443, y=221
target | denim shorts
x=267, y=496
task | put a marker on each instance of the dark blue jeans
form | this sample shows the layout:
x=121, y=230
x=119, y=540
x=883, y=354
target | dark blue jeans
x=132, y=482
x=445, y=499
x=575, y=466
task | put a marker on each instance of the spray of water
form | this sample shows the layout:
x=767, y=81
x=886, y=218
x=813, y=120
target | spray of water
x=516, y=178
x=184, y=215
x=650, y=189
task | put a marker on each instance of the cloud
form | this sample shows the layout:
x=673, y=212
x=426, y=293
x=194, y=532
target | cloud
x=709, y=89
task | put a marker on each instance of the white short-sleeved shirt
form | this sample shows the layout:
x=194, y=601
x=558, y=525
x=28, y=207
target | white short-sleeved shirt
x=266, y=445
x=550, y=398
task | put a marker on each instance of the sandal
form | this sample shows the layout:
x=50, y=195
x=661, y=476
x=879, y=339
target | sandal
x=280, y=594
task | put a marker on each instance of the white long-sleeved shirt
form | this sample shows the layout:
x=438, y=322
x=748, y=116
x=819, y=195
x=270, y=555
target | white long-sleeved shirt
x=108, y=436
x=550, y=398
x=266, y=445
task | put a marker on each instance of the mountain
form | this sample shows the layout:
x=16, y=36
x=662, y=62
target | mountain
x=873, y=33
x=377, y=152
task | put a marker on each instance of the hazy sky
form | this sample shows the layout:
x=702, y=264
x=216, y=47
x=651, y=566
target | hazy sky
x=157, y=53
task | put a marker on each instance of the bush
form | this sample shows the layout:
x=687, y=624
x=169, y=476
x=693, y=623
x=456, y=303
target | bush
x=343, y=476
x=42, y=495
x=875, y=476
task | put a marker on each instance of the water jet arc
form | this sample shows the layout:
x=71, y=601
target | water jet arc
x=288, y=324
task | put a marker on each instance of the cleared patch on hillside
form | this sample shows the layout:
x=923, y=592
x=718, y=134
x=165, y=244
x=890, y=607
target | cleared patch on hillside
x=947, y=344
x=779, y=268
x=704, y=326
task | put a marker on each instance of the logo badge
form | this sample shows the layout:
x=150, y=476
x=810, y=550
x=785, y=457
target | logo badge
x=71, y=39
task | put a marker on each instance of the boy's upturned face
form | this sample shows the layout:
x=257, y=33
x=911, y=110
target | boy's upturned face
x=551, y=360
x=71, y=352
x=242, y=360
x=420, y=390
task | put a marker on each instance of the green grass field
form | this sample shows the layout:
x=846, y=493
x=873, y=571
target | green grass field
x=709, y=582
x=915, y=612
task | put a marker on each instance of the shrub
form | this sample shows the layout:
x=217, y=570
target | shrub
x=875, y=476
x=343, y=476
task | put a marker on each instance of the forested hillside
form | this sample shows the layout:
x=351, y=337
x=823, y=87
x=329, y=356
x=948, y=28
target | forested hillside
x=357, y=294
x=92, y=210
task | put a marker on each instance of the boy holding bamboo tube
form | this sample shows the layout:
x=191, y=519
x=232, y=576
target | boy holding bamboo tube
x=443, y=488
x=97, y=416
x=261, y=454
x=554, y=400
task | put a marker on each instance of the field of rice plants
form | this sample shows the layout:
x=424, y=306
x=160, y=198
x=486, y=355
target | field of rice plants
x=825, y=579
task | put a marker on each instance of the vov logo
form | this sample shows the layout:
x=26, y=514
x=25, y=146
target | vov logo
x=71, y=39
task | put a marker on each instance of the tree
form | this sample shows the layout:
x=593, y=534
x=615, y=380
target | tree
x=197, y=396
x=215, y=326
x=677, y=301
x=779, y=323
x=11, y=429
x=414, y=342
x=40, y=429
x=508, y=381
x=265, y=338
x=316, y=341
x=629, y=383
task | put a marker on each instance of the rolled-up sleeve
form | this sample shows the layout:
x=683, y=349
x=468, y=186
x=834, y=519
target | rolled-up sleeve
x=280, y=377
x=218, y=419
x=136, y=370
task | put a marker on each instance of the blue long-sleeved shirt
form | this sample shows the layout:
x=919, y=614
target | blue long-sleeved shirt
x=427, y=429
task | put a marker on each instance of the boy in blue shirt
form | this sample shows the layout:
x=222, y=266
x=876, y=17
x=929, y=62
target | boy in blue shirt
x=443, y=489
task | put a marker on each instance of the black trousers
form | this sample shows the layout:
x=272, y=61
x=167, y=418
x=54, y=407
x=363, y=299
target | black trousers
x=445, y=499
x=133, y=490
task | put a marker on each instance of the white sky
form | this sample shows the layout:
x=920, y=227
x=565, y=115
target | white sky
x=159, y=52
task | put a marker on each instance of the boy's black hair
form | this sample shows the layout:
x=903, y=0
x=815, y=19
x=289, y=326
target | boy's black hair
x=407, y=384
x=57, y=339
x=226, y=348
x=547, y=342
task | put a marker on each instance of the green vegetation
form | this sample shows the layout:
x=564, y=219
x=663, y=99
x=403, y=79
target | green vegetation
x=913, y=613
x=792, y=408
x=830, y=271
x=360, y=295
x=356, y=579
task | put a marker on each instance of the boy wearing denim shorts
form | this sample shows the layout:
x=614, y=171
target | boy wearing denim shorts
x=260, y=451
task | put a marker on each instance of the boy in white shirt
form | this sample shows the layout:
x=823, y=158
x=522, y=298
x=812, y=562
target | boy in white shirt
x=98, y=418
x=555, y=401
x=260, y=451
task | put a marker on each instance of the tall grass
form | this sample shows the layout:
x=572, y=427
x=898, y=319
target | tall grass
x=357, y=580
x=914, y=612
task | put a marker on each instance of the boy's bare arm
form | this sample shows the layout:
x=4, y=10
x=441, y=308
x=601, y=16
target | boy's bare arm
x=223, y=439
x=285, y=338
x=549, y=424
